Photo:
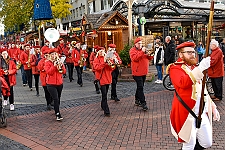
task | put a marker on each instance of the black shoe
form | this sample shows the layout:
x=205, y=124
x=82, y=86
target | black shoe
x=144, y=107
x=81, y=84
x=30, y=89
x=137, y=103
x=37, y=94
x=49, y=107
x=64, y=76
x=117, y=99
x=112, y=98
x=98, y=92
x=107, y=114
x=71, y=80
x=59, y=117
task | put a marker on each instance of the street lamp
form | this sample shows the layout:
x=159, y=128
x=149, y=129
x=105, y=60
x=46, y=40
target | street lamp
x=141, y=9
x=129, y=5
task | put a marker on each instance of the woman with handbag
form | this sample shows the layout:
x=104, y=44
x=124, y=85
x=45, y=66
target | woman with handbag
x=158, y=61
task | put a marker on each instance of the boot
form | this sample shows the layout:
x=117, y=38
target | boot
x=97, y=86
x=37, y=94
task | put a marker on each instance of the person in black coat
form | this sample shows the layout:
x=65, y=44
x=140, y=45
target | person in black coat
x=222, y=47
x=170, y=51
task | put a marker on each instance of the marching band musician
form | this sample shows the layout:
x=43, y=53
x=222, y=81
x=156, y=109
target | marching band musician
x=46, y=46
x=103, y=73
x=9, y=67
x=43, y=75
x=35, y=58
x=78, y=55
x=54, y=69
x=69, y=62
x=115, y=73
x=25, y=58
x=91, y=59
x=139, y=67
x=61, y=48
x=13, y=52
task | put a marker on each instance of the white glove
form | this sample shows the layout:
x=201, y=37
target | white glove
x=216, y=115
x=204, y=64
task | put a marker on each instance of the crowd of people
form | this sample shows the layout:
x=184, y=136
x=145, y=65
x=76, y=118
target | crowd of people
x=186, y=73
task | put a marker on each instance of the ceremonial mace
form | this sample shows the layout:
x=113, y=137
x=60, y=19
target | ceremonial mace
x=198, y=124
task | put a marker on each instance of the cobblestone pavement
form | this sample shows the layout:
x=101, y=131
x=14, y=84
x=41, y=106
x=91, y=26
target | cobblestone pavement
x=31, y=126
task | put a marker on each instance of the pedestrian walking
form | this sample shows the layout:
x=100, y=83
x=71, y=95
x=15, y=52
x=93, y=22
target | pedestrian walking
x=139, y=66
x=158, y=61
x=69, y=61
x=91, y=59
x=9, y=67
x=216, y=70
x=54, y=80
x=200, y=50
x=78, y=56
x=186, y=77
x=115, y=73
x=103, y=73
x=35, y=58
x=25, y=59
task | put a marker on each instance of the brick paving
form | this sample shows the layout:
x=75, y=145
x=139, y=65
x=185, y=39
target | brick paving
x=85, y=127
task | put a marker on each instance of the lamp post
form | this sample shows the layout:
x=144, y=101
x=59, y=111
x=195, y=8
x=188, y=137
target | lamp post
x=129, y=5
x=141, y=8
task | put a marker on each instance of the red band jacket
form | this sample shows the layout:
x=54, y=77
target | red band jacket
x=103, y=72
x=41, y=68
x=33, y=63
x=53, y=75
x=76, y=56
x=24, y=59
x=68, y=54
x=139, y=62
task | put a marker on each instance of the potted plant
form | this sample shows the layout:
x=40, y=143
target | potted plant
x=125, y=56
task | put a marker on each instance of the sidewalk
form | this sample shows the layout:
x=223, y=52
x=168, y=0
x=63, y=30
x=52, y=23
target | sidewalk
x=85, y=127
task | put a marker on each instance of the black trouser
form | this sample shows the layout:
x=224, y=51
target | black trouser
x=11, y=97
x=104, y=104
x=65, y=67
x=79, y=74
x=217, y=84
x=70, y=67
x=36, y=79
x=55, y=92
x=139, y=95
x=47, y=95
x=29, y=77
x=24, y=76
x=115, y=75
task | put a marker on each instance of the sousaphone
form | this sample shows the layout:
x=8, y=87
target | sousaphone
x=52, y=35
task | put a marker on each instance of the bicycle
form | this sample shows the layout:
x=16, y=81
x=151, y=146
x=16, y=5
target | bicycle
x=169, y=86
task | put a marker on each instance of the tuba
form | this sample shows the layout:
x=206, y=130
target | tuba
x=52, y=35
x=110, y=59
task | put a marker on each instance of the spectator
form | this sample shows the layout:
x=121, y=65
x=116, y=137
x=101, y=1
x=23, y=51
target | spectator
x=170, y=51
x=158, y=61
x=200, y=50
x=216, y=70
x=222, y=47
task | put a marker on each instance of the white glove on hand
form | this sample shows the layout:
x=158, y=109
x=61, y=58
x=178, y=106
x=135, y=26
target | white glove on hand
x=204, y=64
x=216, y=115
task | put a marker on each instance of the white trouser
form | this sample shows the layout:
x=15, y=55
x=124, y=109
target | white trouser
x=203, y=134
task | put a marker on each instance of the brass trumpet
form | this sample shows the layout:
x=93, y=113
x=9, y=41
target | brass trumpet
x=18, y=65
x=58, y=62
x=82, y=58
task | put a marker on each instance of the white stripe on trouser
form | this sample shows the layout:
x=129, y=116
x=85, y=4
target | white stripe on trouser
x=203, y=134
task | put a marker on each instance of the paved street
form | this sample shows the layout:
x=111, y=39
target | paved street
x=84, y=126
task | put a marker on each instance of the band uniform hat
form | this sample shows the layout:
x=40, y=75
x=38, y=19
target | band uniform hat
x=61, y=39
x=27, y=45
x=45, y=51
x=137, y=40
x=37, y=46
x=67, y=43
x=100, y=48
x=52, y=50
x=185, y=44
x=96, y=46
x=112, y=45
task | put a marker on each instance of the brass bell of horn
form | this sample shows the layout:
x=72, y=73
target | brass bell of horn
x=52, y=35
